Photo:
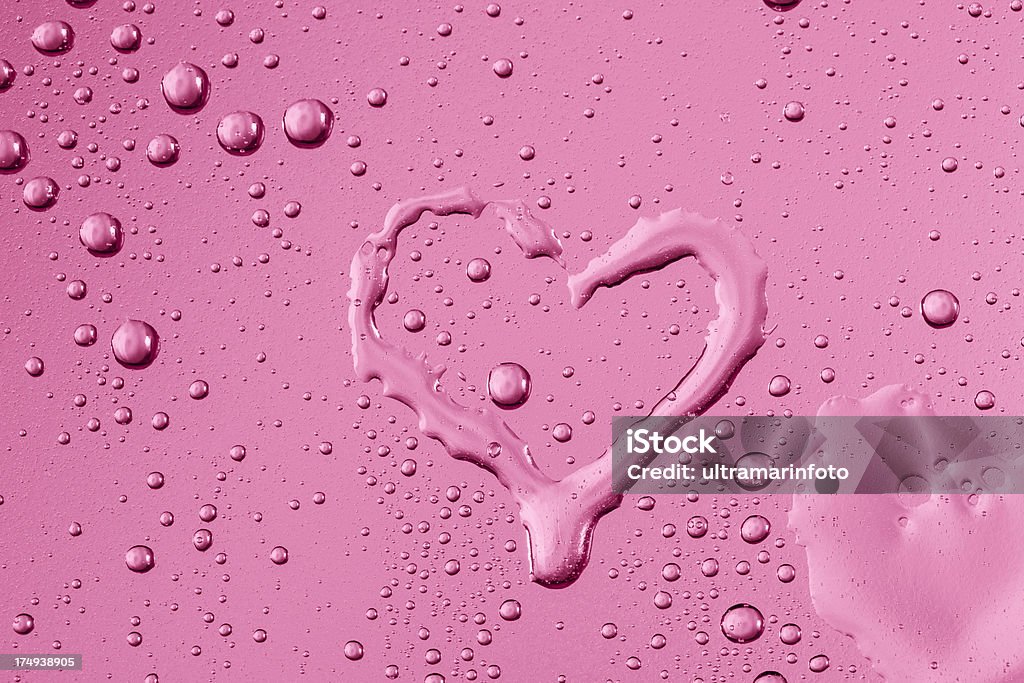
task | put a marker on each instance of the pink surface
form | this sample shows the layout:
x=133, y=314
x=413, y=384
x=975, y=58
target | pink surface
x=869, y=157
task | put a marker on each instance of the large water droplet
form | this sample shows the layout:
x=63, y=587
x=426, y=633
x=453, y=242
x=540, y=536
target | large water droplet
x=510, y=610
x=940, y=308
x=478, y=270
x=13, y=151
x=7, y=75
x=135, y=344
x=40, y=193
x=755, y=529
x=186, y=88
x=126, y=38
x=742, y=623
x=509, y=385
x=140, y=558
x=240, y=133
x=793, y=111
x=308, y=123
x=163, y=150
x=23, y=624
x=101, y=234
x=53, y=37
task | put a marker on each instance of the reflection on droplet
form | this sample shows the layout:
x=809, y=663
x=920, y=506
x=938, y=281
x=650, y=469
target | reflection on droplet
x=940, y=308
x=186, y=88
x=793, y=111
x=14, y=153
x=53, y=37
x=509, y=385
x=779, y=386
x=755, y=529
x=308, y=123
x=697, y=526
x=414, y=320
x=478, y=270
x=742, y=623
x=163, y=150
x=126, y=38
x=510, y=610
x=135, y=344
x=818, y=663
x=240, y=133
x=503, y=68
x=140, y=558
x=34, y=366
x=984, y=400
x=101, y=234
x=40, y=193
x=23, y=624
x=353, y=650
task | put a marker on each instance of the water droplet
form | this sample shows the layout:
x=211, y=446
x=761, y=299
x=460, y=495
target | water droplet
x=789, y=634
x=140, y=558
x=509, y=385
x=478, y=270
x=510, y=610
x=779, y=385
x=163, y=150
x=308, y=123
x=135, y=344
x=415, y=320
x=202, y=539
x=377, y=97
x=755, y=529
x=940, y=308
x=86, y=334
x=34, y=366
x=503, y=68
x=279, y=555
x=199, y=389
x=126, y=38
x=240, y=133
x=949, y=164
x=709, y=567
x=186, y=88
x=160, y=421
x=40, y=193
x=527, y=152
x=770, y=676
x=23, y=624
x=561, y=432
x=493, y=10
x=793, y=111
x=786, y=573
x=101, y=234
x=697, y=526
x=7, y=75
x=742, y=623
x=984, y=400
x=818, y=663
x=353, y=650
x=14, y=153
x=155, y=480
x=53, y=37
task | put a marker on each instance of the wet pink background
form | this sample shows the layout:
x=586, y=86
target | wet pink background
x=654, y=100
